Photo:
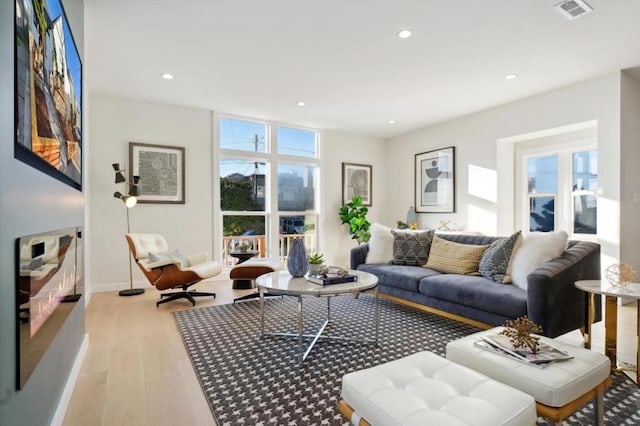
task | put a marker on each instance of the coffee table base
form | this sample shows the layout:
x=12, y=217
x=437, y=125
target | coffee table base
x=319, y=334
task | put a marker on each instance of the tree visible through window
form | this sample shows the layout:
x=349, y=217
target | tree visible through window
x=249, y=152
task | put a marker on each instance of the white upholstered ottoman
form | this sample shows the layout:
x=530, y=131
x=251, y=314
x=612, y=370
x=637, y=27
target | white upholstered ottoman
x=425, y=389
x=559, y=388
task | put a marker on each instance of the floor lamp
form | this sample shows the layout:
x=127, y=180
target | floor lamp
x=130, y=199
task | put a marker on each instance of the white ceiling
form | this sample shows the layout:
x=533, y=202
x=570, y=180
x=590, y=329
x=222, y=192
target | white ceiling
x=258, y=58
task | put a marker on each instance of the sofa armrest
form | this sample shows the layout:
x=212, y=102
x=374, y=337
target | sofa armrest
x=359, y=255
x=553, y=301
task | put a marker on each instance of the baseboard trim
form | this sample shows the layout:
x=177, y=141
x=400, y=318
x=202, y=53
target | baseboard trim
x=107, y=287
x=63, y=405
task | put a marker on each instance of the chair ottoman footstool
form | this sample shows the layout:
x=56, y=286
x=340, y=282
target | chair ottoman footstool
x=559, y=388
x=426, y=389
x=244, y=274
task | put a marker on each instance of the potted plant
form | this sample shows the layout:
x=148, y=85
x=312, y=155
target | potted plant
x=244, y=247
x=315, y=263
x=355, y=215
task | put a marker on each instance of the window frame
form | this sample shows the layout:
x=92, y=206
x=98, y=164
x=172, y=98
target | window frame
x=564, y=214
x=272, y=159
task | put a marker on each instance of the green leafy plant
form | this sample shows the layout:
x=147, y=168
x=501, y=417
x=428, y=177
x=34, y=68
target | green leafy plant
x=355, y=215
x=244, y=247
x=316, y=259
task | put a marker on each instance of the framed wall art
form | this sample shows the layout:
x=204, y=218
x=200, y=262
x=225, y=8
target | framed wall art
x=357, y=181
x=48, y=91
x=161, y=171
x=435, y=189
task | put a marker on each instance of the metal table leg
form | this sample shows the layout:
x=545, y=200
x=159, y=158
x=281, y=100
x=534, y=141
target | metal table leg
x=638, y=342
x=611, y=330
x=300, y=357
x=261, y=313
x=377, y=316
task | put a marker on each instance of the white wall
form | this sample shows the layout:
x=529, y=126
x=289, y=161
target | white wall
x=475, y=138
x=346, y=147
x=117, y=121
x=114, y=123
x=32, y=202
x=630, y=172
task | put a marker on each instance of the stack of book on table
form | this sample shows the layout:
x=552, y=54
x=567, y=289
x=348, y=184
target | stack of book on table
x=501, y=344
x=327, y=279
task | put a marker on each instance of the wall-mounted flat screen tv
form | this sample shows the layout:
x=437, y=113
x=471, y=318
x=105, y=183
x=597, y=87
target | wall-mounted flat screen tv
x=49, y=280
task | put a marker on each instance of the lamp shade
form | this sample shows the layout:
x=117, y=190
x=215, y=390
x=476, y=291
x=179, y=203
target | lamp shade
x=120, y=177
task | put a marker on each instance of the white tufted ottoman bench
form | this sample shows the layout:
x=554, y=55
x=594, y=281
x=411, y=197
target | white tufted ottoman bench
x=425, y=389
x=559, y=388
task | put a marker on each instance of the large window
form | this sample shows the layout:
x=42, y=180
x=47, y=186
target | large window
x=268, y=186
x=559, y=190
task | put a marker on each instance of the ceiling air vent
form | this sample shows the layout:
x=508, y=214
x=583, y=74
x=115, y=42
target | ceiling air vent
x=572, y=9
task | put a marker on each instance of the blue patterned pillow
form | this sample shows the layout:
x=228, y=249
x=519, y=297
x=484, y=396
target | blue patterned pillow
x=411, y=248
x=495, y=260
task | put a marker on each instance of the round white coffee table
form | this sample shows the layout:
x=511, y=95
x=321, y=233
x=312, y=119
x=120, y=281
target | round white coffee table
x=611, y=293
x=282, y=283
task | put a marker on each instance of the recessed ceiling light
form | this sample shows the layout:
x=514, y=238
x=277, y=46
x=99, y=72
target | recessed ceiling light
x=404, y=34
x=391, y=121
x=301, y=103
x=167, y=76
x=511, y=76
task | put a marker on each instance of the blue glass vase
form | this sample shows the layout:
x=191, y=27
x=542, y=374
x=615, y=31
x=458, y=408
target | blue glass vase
x=297, y=262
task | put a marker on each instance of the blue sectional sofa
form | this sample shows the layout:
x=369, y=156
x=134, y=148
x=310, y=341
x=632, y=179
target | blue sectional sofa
x=550, y=300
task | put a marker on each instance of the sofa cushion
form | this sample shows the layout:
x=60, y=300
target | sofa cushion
x=380, y=244
x=495, y=260
x=454, y=258
x=400, y=276
x=411, y=248
x=476, y=292
x=536, y=249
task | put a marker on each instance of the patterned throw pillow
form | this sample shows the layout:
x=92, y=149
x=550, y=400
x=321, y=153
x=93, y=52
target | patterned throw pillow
x=495, y=260
x=411, y=248
x=454, y=258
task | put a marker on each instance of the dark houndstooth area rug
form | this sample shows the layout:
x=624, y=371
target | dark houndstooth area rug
x=252, y=380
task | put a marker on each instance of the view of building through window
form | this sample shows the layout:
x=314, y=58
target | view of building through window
x=548, y=195
x=585, y=184
x=247, y=202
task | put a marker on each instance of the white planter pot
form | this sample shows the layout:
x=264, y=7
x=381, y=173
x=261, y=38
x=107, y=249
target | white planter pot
x=314, y=269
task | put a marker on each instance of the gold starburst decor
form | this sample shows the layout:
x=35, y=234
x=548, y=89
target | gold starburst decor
x=620, y=274
x=519, y=333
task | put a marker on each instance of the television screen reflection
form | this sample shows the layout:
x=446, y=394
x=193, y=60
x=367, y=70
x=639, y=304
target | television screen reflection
x=49, y=282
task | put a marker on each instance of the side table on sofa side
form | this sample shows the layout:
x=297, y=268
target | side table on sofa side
x=632, y=291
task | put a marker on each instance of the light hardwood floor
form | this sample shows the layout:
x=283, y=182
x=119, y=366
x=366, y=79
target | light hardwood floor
x=137, y=372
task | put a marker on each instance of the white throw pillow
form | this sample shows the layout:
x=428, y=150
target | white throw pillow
x=536, y=249
x=380, y=244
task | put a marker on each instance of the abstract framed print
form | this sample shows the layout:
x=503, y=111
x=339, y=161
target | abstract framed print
x=161, y=171
x=435, y=181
